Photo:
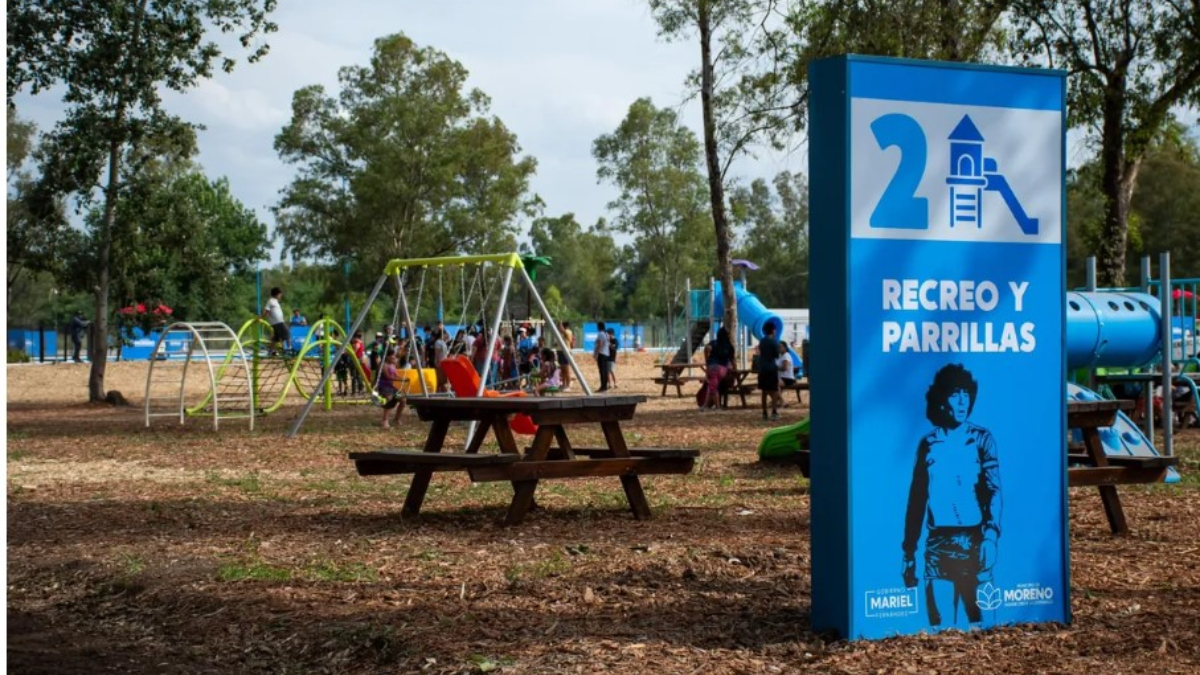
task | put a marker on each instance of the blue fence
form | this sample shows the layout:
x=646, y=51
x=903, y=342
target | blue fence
x=32, y=344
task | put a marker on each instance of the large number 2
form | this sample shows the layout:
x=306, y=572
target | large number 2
x=899, y=207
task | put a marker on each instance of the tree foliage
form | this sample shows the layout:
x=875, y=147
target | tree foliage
x=37, y=229
x=402, y=163
x=653, y=161
x=774, y=223
x=1131, y=62
x=113, y=60
x=583, y=265
x=188, y=243
x=1164, y=213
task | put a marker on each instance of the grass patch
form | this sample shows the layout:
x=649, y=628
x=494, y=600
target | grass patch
x=249, y=484
x=327, y=570
x=16, y=455
x=131, y=564
x=255, y=570
x=555, y=565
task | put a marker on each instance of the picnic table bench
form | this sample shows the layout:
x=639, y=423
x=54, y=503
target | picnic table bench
x=551, y=455
x=1089, y=465
x=673, y=376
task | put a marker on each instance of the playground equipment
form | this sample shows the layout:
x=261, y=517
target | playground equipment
x=1123, y=438
x=704, y=309
x=247, y=375
x=501, y=268
x=226, y=391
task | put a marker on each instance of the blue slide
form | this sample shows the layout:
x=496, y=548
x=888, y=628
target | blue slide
x=752, y=313
x=997, y=183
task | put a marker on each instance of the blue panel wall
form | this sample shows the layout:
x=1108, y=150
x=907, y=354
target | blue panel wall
x=938, y=369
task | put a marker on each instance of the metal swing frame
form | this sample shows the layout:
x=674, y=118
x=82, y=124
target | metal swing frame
x=512, y=264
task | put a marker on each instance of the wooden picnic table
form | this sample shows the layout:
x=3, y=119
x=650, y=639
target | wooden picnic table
x=673, y=376
x=551, y=455
x=1089, y=465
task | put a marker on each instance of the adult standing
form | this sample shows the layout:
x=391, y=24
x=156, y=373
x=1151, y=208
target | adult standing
x=78, y=328
x=600, y=351
x=563, y=360
x=614, y=346
x=718, y=359
x=273, y=313
x=768, y=371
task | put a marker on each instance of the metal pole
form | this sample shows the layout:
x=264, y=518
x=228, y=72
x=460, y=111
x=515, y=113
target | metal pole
x=346, y=278
x=1164, y=275
x=412, y=338
x=1144, y=274
x=1091, y=273
x=558, y=338
x=493, y=335
x=491, y=348
x=312, y=399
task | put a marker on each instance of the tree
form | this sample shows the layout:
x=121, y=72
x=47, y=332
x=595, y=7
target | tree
x=734, y=116
x=37, y=231
x=1166, y=206
x=403, y=163
x=114, y=58
x=776, y=237
x=652, y=160
x=583, y=263
x=187, y=240
x=944, y=30
x=1131, y=63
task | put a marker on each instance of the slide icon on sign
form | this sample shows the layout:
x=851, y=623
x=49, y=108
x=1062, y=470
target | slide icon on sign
x=971, y=174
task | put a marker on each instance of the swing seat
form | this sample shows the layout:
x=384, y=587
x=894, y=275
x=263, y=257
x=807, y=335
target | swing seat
x=464, y=381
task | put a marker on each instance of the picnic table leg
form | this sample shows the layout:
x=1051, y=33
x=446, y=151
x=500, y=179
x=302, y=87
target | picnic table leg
x=481, y=430
x=632, y=484
x=564, y=449
x=523, y=490
x=420, y=480
x=1108, y=493
x=665, y=383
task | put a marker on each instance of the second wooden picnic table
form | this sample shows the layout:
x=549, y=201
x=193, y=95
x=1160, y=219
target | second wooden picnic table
x=551, y=455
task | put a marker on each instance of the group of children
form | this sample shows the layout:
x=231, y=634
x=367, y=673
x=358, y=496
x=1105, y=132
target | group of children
x=527, y=362
x=773, y=364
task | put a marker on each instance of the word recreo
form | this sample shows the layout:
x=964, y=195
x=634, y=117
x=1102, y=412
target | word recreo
x=954, y=295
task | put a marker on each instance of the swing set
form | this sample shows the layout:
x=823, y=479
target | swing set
x=487, y=272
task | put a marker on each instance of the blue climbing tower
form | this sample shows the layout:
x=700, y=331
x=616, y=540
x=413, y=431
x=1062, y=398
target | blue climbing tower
x=966, y=174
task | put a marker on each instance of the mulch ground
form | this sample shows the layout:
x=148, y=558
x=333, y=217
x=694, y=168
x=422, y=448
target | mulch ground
x=183, y=550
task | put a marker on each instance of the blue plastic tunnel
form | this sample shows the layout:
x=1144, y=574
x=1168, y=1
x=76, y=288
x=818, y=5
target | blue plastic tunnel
x=1112, y=330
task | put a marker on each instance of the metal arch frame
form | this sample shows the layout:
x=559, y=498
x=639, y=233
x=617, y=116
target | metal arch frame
x=196, y=331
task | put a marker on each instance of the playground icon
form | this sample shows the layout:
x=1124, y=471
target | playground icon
x=971, y=174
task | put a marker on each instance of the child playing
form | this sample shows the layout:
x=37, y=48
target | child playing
x=359, y=351
x=549, y=374
x=387, y=389
x=768, y=371
x=787, y=369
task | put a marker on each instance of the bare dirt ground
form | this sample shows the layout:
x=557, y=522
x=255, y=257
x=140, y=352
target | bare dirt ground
x=181, y=550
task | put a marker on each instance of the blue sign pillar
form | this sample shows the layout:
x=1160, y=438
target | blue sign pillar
x=938, y=370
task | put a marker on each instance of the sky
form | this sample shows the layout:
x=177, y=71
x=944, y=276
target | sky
x=559, y=74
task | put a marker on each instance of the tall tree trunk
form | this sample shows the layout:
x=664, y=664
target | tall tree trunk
x=98, y=339
x=716, y=188
x=1116, y=183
